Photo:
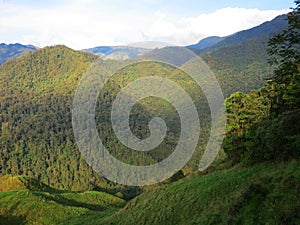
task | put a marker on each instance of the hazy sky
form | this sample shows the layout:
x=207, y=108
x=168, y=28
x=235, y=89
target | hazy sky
x=88, y=23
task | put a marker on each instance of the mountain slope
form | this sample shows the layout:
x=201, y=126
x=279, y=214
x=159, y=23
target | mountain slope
x=240, y=61
x=240, y=67
x=265, y=30
x=37, y=90
x=264, y=194
x=35, y=118
x=13, y=51
x=206, y=42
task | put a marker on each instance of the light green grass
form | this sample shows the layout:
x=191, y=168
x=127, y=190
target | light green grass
x=268, y=193
x=42, y=208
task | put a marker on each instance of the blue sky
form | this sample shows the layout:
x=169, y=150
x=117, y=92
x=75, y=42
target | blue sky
x=88, y=23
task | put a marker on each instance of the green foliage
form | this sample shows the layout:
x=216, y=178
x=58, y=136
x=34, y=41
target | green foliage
x=267, y=193
x=265, y=126
x=276, y=138
x=243, y=110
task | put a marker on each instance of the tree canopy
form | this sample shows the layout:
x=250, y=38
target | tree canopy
x=264, y=125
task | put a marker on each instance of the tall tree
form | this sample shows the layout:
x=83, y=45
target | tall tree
x=284, y=51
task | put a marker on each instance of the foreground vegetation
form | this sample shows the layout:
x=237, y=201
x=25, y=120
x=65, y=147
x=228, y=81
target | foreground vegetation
x=267, y=193
x=30, y=202
x=264, y=194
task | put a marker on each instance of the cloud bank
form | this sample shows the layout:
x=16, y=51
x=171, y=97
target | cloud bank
x=79, y=25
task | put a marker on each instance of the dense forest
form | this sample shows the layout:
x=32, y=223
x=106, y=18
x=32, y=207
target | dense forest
x=36, y=132
x=37, y=90
x=264, y=125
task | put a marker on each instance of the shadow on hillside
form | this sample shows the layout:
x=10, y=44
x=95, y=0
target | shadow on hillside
x=68, y=202
x=12, y=220
x=9, y=219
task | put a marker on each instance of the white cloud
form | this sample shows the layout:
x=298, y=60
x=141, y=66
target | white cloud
x=227, y=21
x=79, y=25
x=222, y=22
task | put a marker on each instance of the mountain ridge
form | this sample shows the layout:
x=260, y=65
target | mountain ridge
x=118, y=52
x=266, y=30
x=12, y=51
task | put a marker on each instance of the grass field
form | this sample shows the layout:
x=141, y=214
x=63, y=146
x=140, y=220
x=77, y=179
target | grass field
x=268, y=193
x=29, y=203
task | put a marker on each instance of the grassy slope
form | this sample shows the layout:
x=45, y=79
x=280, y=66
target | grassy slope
x=268, y=193
x=32, y=207
x=15, y=183
x=24, y=200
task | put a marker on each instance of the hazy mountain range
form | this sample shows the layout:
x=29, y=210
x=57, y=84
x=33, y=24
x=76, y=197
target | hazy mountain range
x=266, y=30
x=8, y=51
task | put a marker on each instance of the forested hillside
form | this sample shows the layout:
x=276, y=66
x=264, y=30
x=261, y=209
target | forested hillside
x=268, y=119
x=37, y=90
x=36, y=132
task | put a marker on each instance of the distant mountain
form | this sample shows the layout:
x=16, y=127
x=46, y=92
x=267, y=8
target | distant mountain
x=13, y=51
x=265, y=30
x=206, y=42
x=118, y=52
